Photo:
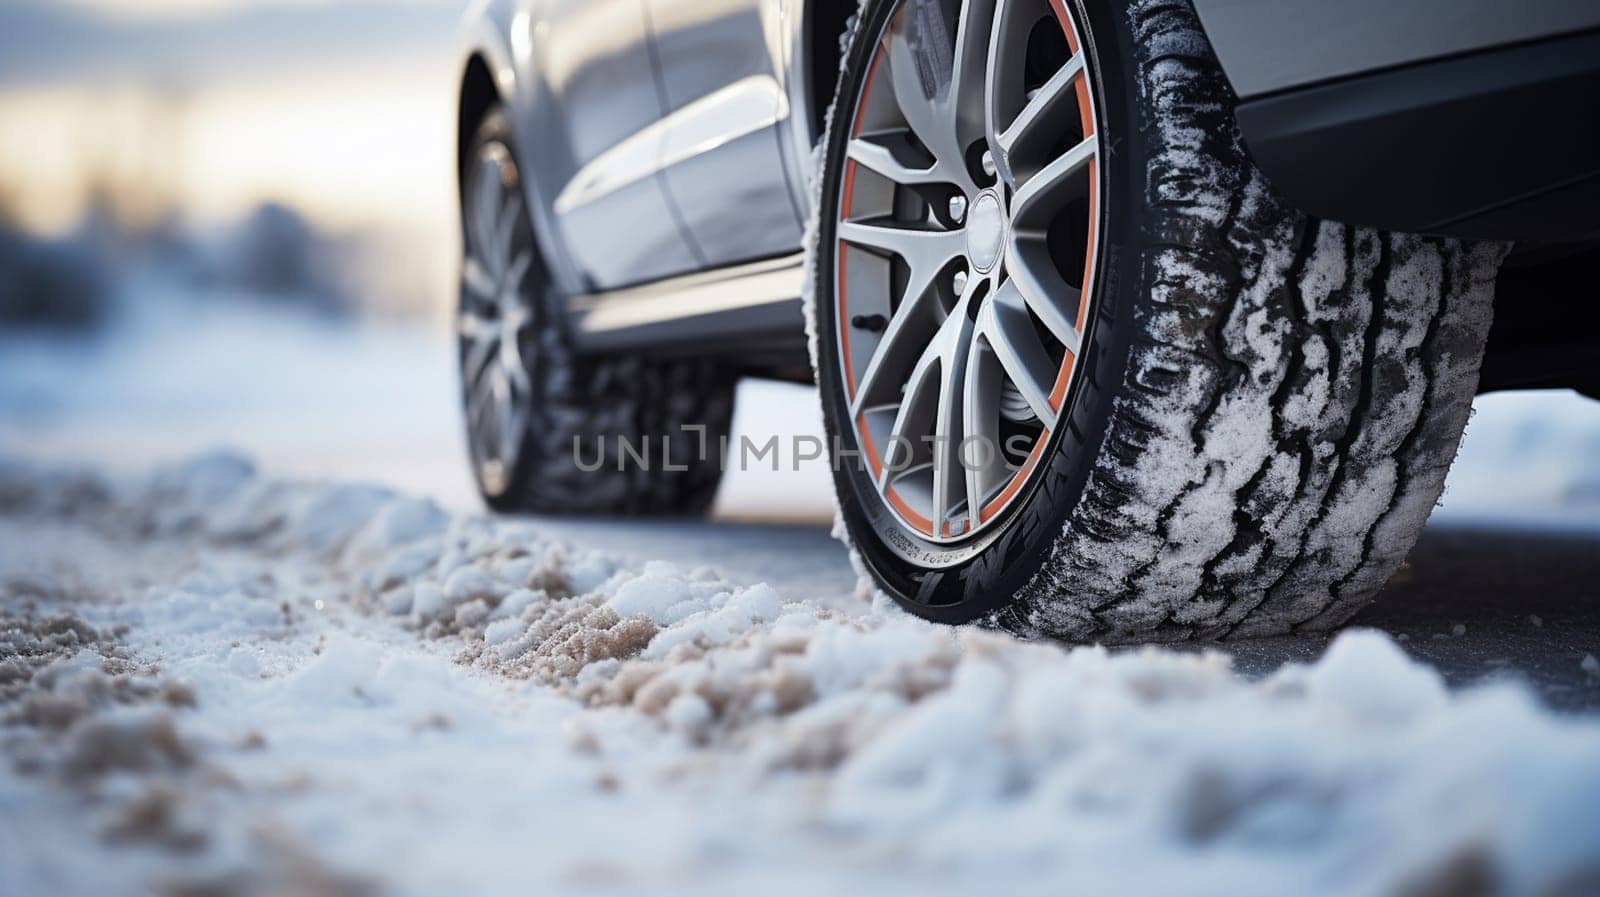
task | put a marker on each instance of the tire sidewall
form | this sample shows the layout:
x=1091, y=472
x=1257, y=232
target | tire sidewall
x=962, y=581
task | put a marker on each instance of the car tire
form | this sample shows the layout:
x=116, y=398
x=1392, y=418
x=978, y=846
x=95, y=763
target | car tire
x=1264, y=406
x=579, y=434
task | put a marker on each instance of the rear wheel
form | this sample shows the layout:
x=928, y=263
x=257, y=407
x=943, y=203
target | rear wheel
x=549, y=431
x=1103, y=382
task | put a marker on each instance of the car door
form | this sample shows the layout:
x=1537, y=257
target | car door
x=723, y=160
x=610, y=202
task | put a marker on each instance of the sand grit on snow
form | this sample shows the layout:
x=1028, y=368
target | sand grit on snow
x=212, y=681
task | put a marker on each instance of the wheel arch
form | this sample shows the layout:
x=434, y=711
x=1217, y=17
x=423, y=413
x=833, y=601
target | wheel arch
x=475, y=97
x=826, y=22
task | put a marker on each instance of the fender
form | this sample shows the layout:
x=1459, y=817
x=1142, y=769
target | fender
x=1432, y=116
x=794, y=67
x=501, y=33
x=1268, y=46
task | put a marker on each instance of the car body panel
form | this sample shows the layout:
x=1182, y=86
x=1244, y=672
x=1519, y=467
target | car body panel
x=1266, y=46
x=1500, y=144
x=486, y=35
x=721, y=68
x=613, y=208
x=1461, y=117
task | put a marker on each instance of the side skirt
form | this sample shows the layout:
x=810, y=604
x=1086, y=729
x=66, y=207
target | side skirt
x=751, y=312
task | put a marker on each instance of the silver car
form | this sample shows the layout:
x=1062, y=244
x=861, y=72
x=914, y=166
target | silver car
x=1130, y=320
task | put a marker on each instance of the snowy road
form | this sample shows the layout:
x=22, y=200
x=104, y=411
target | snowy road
x=215, y=682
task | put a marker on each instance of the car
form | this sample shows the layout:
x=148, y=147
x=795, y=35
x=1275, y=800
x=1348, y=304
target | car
x=1130, y=321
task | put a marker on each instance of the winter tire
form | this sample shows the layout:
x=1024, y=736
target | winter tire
x=549, y=431
x=1036, y=223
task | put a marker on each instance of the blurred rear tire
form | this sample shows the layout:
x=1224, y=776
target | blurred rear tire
x=548, y=431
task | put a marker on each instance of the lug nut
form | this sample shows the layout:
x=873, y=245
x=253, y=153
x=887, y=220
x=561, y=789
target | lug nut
x=988, y=163
x=958, y=208
x=959, y=282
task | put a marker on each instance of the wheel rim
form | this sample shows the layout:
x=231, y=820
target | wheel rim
x=967, y=226
x=494, y=315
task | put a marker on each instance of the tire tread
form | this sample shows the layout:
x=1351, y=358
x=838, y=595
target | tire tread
x=1308, y=381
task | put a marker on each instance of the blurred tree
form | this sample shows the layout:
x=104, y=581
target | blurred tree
x=278, y=254
x=50, y=284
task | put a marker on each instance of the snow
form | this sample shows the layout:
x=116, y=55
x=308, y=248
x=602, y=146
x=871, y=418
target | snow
x=504, y=728
x=656, y=594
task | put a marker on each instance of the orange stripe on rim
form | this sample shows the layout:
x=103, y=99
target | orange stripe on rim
x=848, y=190
x=1064, y=19
x=1086, y=122
x=1058, y=392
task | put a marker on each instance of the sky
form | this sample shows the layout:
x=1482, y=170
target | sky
x=160, y=9
x=340, y=108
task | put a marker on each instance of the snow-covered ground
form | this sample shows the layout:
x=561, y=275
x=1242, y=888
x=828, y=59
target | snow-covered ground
x=217, y=682
x=237, y=677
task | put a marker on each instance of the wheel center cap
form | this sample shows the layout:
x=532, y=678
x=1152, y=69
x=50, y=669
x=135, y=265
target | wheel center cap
x=986, y=228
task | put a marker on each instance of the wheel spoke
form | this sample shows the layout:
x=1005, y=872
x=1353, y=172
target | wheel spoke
x=895, y=347
x=478, y=281
x=1003, y=84
x=484, y=209
x=505, y=232
x=925, y=253
x=518, y=270
x=476, y=358
x=912, y=78
x=511, y=360
x=480, y=414
x=1008, y=330
x=920, y=67
x=919, y=248
x=500, y=395
x=513, y=409
x=930, y=414
x=905, y=448
x=1042, y=195
x=880, y=159
x=980, y=417
x=969, y=71
x=1034, y=276
x=1046, y=114
x=949, y=478
x=475, y=327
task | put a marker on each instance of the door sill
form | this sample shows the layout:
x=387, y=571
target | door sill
x=755, y=304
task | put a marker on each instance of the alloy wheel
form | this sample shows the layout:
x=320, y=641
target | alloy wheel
x=966, y=237
x=495, y=314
